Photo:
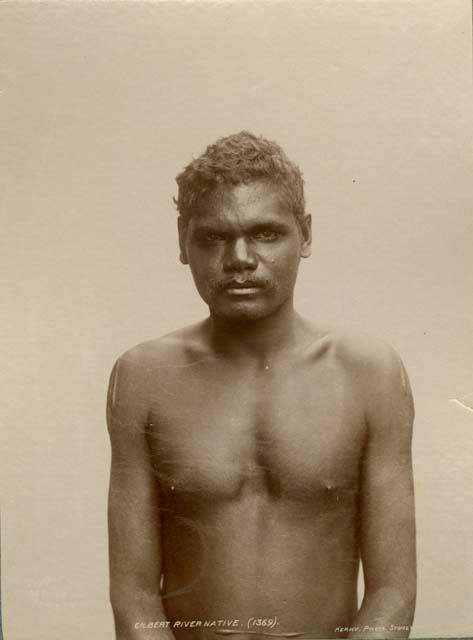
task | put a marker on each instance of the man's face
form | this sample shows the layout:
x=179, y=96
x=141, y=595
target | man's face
x=243, y=246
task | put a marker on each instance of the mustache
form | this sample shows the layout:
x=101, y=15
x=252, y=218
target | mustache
x=217, y=286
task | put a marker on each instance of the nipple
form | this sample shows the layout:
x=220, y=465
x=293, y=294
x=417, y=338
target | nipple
x=330, y=486
x=331, y=490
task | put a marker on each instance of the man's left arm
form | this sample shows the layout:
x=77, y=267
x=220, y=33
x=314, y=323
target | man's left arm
x=387, y=524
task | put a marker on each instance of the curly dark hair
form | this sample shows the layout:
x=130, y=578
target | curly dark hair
x=236, y=159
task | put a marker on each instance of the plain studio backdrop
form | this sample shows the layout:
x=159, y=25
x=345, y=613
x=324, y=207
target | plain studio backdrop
x=102, y=105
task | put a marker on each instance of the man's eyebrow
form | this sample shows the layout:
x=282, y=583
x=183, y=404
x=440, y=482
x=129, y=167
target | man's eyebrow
x=252, y=228
x=270, y=224
x=207, y=228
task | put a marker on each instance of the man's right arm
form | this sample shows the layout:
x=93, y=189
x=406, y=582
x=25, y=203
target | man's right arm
x=133, y=508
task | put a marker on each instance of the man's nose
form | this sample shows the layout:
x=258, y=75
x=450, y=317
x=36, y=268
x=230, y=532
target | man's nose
x=239, y=256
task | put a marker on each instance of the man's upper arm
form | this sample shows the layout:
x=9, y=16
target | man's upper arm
x=133, y=516
x=387, y=494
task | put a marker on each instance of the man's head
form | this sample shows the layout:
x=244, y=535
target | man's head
x=240, y=159
x=243, y=226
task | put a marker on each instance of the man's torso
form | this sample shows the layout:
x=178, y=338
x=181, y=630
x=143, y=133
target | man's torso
x=258, y=466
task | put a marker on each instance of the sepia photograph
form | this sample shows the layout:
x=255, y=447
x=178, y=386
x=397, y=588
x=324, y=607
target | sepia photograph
x=237, y=322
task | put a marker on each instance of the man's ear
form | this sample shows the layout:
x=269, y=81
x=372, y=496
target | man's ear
x=306, y=232
x=182, y=231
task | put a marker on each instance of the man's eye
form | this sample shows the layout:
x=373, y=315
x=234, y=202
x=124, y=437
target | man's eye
x=212, y=237
x=266, y=235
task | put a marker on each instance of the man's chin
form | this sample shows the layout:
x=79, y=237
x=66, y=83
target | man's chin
x=240, y=312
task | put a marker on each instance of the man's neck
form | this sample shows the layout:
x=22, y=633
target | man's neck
x=256, y=339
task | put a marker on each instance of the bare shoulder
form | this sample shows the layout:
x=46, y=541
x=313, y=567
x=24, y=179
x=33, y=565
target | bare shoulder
x=376, y=368
x=170, y=349
x=366, y=353
x=351, y=348
x=137, y=373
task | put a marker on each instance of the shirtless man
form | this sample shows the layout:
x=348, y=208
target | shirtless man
x=257, y=457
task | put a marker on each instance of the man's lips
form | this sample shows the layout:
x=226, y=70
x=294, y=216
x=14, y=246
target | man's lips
x=246, y=287
x=240, y=287
x=242, y=290
x=243, y=285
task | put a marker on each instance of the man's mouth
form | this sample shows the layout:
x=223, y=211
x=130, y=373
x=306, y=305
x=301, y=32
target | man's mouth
x=239, y=290
x=240, y=287
x=246, y=287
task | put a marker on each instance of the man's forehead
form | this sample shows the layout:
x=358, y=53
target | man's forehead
x=245, y=200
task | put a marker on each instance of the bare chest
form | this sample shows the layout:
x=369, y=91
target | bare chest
x=288, y=436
